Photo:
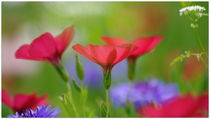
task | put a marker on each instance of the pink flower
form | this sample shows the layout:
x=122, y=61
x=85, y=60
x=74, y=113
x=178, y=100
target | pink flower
x=143, y=45
x=185, y=106
x=21, y=102
x=46, y=47
x=106, y=56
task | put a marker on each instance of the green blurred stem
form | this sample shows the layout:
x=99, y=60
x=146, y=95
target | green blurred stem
x=64, y=75
x=128, y=104
x=128, y=108
x=62, y=72
x=107, y=103
x=107, y=78
x=83, y=97
x=71, y=101
x=66, y=107
x=201, y=45
x=131, y=76
x=196, y=32
x=131, y=68
x=107, y=83
x=199, y=40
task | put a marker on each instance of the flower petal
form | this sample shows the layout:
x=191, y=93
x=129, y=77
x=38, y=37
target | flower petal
x=145, y=45
x=64, y=39
x=85, y=51
x=23, y=102
x=203, y=101
x=42, y=48
x=7, y=100
x=105, y=55
x=24, y=53
x=123, y=52
x=184, y=106
x=114, y=41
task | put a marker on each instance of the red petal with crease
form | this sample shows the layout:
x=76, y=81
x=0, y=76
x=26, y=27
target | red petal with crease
x=44, y=47
x=105, y=55
x=64, y=39
x=123, y=52
x=145, y=45
x=85, y=51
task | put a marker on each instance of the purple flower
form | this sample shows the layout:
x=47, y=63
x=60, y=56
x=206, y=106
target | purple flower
x=119, y=94
x=143, y=93
x=41, y=111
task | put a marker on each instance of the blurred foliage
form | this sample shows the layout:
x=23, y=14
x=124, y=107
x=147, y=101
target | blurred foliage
x=127, y=20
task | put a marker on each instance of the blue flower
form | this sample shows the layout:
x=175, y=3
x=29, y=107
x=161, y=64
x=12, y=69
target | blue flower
x=41, y=111
x=143, y=93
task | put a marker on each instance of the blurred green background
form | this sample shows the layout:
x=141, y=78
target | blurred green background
x=24, y=21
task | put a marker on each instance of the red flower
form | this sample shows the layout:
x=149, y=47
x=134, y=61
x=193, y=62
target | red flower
x=106, y=56
x=46, y=47
x=144, y=45
x=20, y=102
x=185, y=106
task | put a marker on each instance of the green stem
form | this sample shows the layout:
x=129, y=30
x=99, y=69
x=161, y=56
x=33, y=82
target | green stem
x=62, y=72
x=131, y=68
x=107, y=103
x=83, y=97
x=66, y=107
x=107, y=79
x=64, y=75
x=128, y=104
x=197, y=35
x=107, y=83
x=199, y=40
x=201, y=45
x=71, y=100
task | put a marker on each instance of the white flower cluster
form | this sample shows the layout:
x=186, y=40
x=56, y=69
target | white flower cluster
x=189, y=9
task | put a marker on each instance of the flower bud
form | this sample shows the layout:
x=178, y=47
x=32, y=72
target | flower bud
x=76, y=86
x=79, y=68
